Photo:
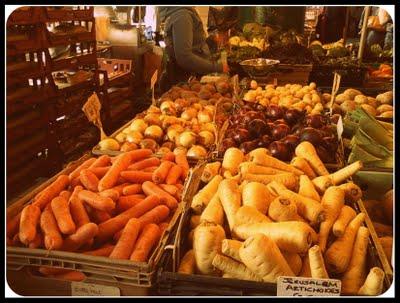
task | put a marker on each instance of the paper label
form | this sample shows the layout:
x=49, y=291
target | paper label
x=307, y=287
x=92, y=109
x=339, y=127
x=88, y=289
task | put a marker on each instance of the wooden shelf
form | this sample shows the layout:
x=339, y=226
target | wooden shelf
x=62, y=14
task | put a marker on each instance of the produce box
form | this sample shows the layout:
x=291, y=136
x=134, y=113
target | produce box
x=95, y=268
x=374, y=183
x=351, y=76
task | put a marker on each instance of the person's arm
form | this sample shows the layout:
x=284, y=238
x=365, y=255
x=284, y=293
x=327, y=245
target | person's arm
x=182, y=33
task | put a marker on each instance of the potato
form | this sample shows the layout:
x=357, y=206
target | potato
x=388, y=114
x=385, y=98
x=384, y=108
x=370, y=109
x=312, y=85
x=360, y=99
x=315, y=98
x=326, y=97
x=307, y=98
x=352, y=93
x=340, y=98
x=121, y=137
x=348, y=106
x=373, y=102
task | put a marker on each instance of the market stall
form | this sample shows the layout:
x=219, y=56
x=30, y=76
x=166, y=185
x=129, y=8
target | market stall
x=253, y=183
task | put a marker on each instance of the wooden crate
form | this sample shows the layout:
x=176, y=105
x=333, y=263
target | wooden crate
x=52, y=14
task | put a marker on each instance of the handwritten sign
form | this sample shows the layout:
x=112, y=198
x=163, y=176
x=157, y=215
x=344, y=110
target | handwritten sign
x=339, y=127
x=307, y=287
x=152, y=83
x=92, y=109
x=88, y=289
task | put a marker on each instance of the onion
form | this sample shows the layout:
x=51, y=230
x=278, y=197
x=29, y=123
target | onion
x=152, y=119
x=187, y=139
x=149, y=144
x=168, y=108
x=172, y=133
x=204, y=117
x=206, y=138
x=134, y=137
x=189, y=114
x=154, y=132
x=121, y=137
x=109, y=144
x=208, y=127
x=197, y=152
x=179, y=149
x=138, y=125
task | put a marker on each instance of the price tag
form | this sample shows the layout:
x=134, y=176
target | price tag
x=335, y=88
x=88, y=289
x=307, y=287
x=339, y=127
x=152, y=83
x=92, y=109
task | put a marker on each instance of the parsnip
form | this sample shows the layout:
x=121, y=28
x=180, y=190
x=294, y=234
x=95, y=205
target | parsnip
x=194, y=221
x=317, y=266
x=352, y=192
x=210, y=171
x=294, y=261
x=188, y=263
x=306, y=188
x=305, y=269
x=249, y=215
x=289, y=180
x=346, y=214
x=213, y=212
x=373, y=285
x=282, y=209
x=231, y=248
x=232, y=158
x=252, y=168
x=302, y=164
x=203, y=197
x=257, y=194
x=235, y=269
x=230, y=197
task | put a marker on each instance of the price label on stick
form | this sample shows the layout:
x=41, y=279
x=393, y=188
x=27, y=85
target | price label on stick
x=307, y=287
x=335, y=89
x=152, y=83
x=92, y=109
x=89, y=289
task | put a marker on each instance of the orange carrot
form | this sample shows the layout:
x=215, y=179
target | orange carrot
x=29, y=220
x=169, y=156
x=126, y=202
x=48, y=271
x=83, y=234
x=60, y=208
x=117, y=235
x=99, y=171
x=148, y=238
x=51, y=191
x=110, y=193
x=157, y=215
x=52, y=235
x=161, y=173
x=139, y=154
x=181, y=160
x=132, y=189
x=103, y=251
x=174, y=174
x=100, y=216
x=96, y=201
x=78, y=211
x=89, y=180
x=171, y=189
x=110, y=227
x=65, y=194
x=75, y=182
x=153, y=161
x=149, y=188
x=101, y=161
x=75, y=173
x=136, y=176
x=111, y=177
x=150, y=169
x=13, y=225
x=120, y=188
x=37, y=242
x=73, y=275
x=126, y=242
x=15, y=241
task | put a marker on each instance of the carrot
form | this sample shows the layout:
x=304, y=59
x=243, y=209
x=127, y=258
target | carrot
x=307, y=189
x=111, y=177
x=291, y=236
x=37, y=241
x=82, y=235
x=249, y=215
x=194, y=221
x=173, y=175
x=203, y=197
x=161, y=173
x=52, y=235
x=188, y=263
x=135, y=176
x=264, y=159
x=352, y=192
x=230, y=197
x=61, y=211
x=132, y=189
x=78, y=211
x=140, y=165
x=307, y=208
x=257, y=195
x=109, y=228
x=181, y=160
x=289, y=180
x=169, y=156
x=345, y=216
x=29, y=220
x=267, y=263
x=373, y=285
x=65, y=194
x=232, y=158
x=231, y=248
x=149, y=188
x=119, y=188
x=148, y=238
x=354, y=277
x=126, y=242
x=110, y=193
x=75, y=182
x=317, y=266
x=100, y=216
x=15, y=241
x=51, y=191
x=337, y=256
x=96, y=201
x=307, y=151
x=323, y=182
x=49, y=271
x=139, y=154
x=75, y=276
x=171, y=189
x=235, y=269
x=252, y=168
x=13, y=225
x=156, y=215
x=332, y=202
x=76, y=172
x=294, y=261
x=101, y=161
x=214, y=212
x=150, y=169
x=103, y=251
x=126, y=202
x=89, y=180
x=99, y=171
x=282, y=209
x=302, y=164
x=210, y=171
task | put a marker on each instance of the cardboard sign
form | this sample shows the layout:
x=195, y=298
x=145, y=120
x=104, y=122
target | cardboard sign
x=307, y=287
x=92, y=109
x=152, y=83
x=88, y=289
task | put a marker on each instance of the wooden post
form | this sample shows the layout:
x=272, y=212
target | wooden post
x=364, y=33
x=346, y=26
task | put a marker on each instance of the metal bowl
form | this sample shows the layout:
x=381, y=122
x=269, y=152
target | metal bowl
x=259, y=67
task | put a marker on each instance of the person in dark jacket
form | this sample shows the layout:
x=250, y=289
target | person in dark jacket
x=186, y=47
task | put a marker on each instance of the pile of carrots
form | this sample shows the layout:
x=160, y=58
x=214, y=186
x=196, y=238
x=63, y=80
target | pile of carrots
x=116, y=207
x=259, y=218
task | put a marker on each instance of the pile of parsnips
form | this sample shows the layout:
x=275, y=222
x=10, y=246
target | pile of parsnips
x=258, y=218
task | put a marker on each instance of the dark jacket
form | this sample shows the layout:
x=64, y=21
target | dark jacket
x=186, y=43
